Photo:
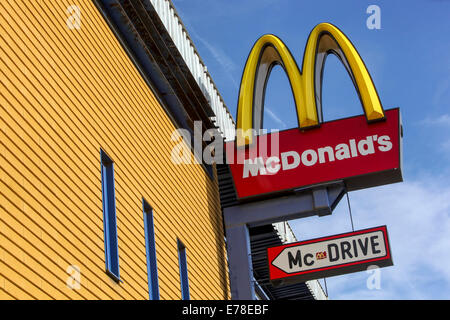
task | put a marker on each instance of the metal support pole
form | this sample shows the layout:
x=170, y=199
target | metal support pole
x=320, y=201
x=240, y=263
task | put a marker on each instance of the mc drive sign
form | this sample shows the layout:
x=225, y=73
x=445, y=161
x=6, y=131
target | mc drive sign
x=329, y=256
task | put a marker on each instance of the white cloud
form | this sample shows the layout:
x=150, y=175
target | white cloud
x=417, y=215
x=445, y=146
x=220, y=56
x=223, y=59
x=441, y=92
x=441, y=120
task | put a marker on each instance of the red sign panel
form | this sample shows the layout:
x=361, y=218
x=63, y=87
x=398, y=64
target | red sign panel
x=329, y=256
x=360, y=153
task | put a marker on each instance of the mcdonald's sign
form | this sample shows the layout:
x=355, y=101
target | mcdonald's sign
x=363, y=151
x=329, y=256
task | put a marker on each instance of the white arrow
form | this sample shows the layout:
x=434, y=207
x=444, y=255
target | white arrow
x=293, y=259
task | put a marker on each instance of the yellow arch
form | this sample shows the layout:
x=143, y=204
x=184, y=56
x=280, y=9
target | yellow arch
x=269, y=50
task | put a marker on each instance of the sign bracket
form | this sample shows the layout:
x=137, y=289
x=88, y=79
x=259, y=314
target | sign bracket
x=319, y=200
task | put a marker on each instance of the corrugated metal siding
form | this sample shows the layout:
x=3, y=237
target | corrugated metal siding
x=168, y=15
x=64, y=95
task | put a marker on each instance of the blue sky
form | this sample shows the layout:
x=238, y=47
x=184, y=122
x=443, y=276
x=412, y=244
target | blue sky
x=409, y=61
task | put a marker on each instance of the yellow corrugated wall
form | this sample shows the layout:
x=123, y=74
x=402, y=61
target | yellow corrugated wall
x=66, y=93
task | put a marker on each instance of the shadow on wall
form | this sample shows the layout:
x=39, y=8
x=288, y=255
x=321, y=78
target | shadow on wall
x=216, y=219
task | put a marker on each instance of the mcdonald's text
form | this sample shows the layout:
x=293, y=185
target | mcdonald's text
x=291, y=159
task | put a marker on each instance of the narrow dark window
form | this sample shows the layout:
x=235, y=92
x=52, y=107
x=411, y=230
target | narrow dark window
x=152, y=270
x=109, y=216
x=184, y=281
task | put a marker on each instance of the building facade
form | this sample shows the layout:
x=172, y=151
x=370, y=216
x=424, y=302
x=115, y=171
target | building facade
x=76, y=107
x=92, y=205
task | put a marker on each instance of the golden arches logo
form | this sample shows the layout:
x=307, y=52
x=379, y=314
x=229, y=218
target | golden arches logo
x=306, y=85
